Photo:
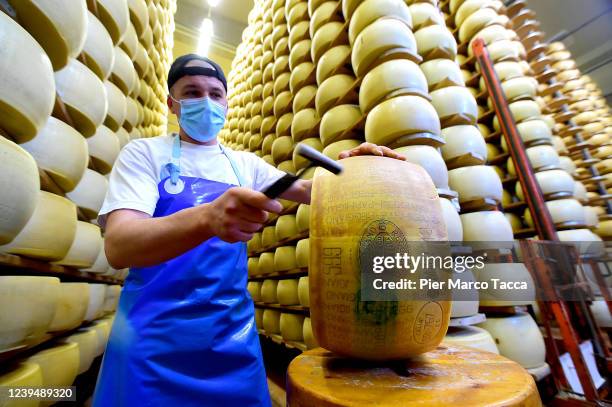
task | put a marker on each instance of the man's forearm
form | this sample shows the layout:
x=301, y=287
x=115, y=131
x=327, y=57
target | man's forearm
x=142, y=242
x=299, y=192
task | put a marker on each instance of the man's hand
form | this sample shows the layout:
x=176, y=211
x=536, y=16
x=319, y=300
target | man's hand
x=239, y=213
x=371, y=149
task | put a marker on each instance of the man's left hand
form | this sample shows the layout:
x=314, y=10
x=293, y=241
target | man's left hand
x=371, y=149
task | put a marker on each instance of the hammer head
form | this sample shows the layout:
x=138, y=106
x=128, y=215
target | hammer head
x=317, y=159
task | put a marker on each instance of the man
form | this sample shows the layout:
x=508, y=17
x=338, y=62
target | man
x=178, y=211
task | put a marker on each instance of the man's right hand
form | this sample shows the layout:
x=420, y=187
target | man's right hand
x=239, y=213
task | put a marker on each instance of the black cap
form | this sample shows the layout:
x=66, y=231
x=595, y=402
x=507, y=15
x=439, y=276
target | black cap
x=178, y=69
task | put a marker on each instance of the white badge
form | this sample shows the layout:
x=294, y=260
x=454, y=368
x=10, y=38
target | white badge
x=172, y=188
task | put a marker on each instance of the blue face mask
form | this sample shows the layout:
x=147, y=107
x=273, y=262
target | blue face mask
x=202, y=119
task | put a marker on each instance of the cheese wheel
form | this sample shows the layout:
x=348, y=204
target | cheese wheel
x=371, y=10
x=129, y=44
x=85, y=247
x=521, y=110
x=333, y=242
x=425, y=14
x=112, y=297
x=103, y=149
x=304, y=292
x=468, y=7
x=84, y=95
x=476, y=21
x=434, y=42
x=430, y=159
x=486, y=226
x=271, y=321
x=268, y=236
x=302, y=253
x=308, y=336
x=515, y=220
x=266, y=145
x=102, y=329
x=287, y=292
x=26, y=317
x=22, y=375
x=452, y=220
x=269, y=291
x=27, y=89
x=284, y=258
x=520, y=88
x=115, y=16
x=323, y=379
x=337, y=121
x=488, y=185
x=391, y=79
x=253, y=266
x=89, y=193
x=117, y=106
x=297, y=33
x=567, y=165
x=21, y=184
x=303, y=218
x=282, y=149
x=414, y=117
x=500, y=51
x=88, y=345
x=300, y=162
x=50, y=231
x=305, y=124
x=326, y=35
x=441, y=73
x=254, y=289
x=101, y=265
x=123, y=73
x=286, y=227
x=333, y=150
x=513, y=273
x=534, y=130
x=259, y=318
x=518, y=338
x=304, y=98
x=59, y=364
x=300, y=52
x=455, y=105
x=561, y=211
x=388, y=37
x=71, y=307
x=98, y=48
x=471, y=336
x=297, y=13
x=283, y=104
x=332, y=89
x=97, y=295
x=291, y=326
x=336, y=61
x=464, y=145
x=266, y=263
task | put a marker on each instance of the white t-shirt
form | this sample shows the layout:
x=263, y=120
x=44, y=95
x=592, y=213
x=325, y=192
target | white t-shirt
x=137, y=172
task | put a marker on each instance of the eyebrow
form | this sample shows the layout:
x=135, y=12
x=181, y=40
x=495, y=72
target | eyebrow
x=195, y=87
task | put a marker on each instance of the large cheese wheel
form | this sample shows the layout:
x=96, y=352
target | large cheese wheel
x=455, y=106
x=561, y=211
x=101, y=265
x=468, y=7
x=486, y=226
x=291, y=326
x=59, y=364
x=253, y=266
x=27, y=89
x=50, y=231
x=88, y=345
x=129, y=43
x=471, y=336
x=85, y=247
x=71, y=307
x=286, y=227
x=521, y=110
x=254, y=289
x=282, y=149
x=500, y=51
x=337, y=121
x=22, y=375
x=414, y=118
x=334, y=61
x=268, y=236
x=464, y=146
x=97, y=295
x=60, y=27
x=430, y=159
x=304, y=292
x=139, y=14
x=309, y=338
x=391, y=79
x=123, y=136
x=302, y=75
x=61, y=151
x=284, y=258
x=103, y=149
x=336, y=228
x=23, y=316
x=475, y=183
x=84, y=95
x=452, y=221
x=425, y=14
x=115, y=16
x=476, y=21
x=328, y=34
x=259, y=318
x=117, y=106
x=305, y=124
x=269, y=291
x=441, y=73
x=20, y=183
x=123, y=73
x=332, y=89
x=271, y=321
x=302, y=253
x=300, y=52
x=518, y=338
x=449, y=375
x=287, y=291
x=371, y=10
x=524, y=87
x=266, y=263
x=534, y=130
x=334, y=149
x=436, y=41
x=304, y=98
x=390, y=37
x=303, y=218
x=89, y=193
x=112, y=298
x=515, y=273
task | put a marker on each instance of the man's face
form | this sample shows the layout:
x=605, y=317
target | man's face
x=195, y=87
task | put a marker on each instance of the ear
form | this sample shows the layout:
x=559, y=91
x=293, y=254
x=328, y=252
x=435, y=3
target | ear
x=172, y=106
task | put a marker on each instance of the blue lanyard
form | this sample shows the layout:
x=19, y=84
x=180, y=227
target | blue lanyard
x=174, y=166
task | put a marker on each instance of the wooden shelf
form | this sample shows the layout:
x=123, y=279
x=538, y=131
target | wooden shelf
x=281, y=275
x=500, y=159
x=285, y=242
x=11, y=264
x=294, y=309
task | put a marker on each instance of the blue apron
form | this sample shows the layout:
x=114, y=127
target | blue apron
x=184, y=332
